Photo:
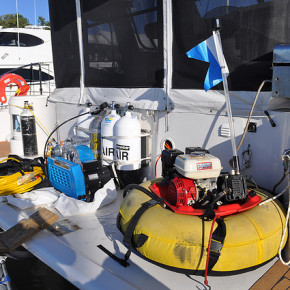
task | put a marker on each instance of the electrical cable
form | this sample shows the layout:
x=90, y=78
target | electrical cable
x=167, y=146
x=102, y=107
x=9, y=158
x=45, y=145
x=279, y=182
x=156, y=165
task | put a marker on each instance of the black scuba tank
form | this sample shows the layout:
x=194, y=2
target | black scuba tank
x=28, y=131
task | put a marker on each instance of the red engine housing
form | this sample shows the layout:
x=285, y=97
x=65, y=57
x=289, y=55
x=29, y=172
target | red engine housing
x=181, y=191
x=178, y=199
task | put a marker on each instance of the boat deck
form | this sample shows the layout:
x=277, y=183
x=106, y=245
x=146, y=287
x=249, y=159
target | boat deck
x=77, y=258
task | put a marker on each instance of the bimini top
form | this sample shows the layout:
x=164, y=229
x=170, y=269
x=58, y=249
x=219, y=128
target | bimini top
x=136, y=51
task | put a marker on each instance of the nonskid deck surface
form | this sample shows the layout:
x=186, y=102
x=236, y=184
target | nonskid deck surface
x=77, y=258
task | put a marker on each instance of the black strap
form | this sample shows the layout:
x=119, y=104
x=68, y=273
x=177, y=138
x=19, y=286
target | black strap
x=132, y=224
x=110, y=254
x=129, y=233
x=144, y=190
x=217, y=242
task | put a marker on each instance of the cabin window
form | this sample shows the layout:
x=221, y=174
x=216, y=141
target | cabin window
x=30, y=75
x=123, y=43
x=250, y=30
x=26, y=40
x=11, y=39
x=8, y=39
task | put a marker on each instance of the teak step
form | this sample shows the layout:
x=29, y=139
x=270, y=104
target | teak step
x=26, y=229
x=277, y=277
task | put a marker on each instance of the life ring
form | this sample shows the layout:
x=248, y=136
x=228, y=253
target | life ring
x=11, y=78
x=180, y=241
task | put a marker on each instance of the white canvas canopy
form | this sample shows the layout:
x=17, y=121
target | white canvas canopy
x=100, y=75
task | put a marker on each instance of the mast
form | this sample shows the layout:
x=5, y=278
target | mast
x=17, y=20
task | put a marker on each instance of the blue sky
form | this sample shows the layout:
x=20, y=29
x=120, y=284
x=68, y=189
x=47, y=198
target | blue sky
x=26, y=8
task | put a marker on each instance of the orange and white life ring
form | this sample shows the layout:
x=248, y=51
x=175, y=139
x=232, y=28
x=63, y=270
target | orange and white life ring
x=11, y=78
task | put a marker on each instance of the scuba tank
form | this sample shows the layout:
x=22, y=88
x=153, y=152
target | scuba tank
x=28, y=131
x=107, y=126
x=127, y=132
x=95, y=134
x=83, y=122
x=16, y=144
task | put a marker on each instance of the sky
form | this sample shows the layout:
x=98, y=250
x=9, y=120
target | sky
x=27, y=8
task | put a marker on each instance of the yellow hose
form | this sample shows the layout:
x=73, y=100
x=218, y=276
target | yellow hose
x=9, y=184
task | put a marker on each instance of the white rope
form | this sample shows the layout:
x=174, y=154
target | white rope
x=285, y=228
x=283, y=237
x=286, y=222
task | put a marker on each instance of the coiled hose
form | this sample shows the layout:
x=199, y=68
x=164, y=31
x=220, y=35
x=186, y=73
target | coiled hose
x=21, y=181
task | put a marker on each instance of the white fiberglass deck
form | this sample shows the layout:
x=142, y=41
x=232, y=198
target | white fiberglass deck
x=77, y=258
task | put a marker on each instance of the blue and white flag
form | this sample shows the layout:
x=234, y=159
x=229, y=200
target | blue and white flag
x=206, y=51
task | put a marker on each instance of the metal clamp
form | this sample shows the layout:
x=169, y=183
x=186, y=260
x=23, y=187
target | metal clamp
x=216, y=246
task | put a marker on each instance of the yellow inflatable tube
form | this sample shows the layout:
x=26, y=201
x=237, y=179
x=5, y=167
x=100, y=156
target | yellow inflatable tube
x=253, y=237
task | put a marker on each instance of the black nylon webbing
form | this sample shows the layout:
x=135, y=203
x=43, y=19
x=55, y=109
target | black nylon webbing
x=129, y=233
x=217, y=242
x=114, y=257
x=132, y=224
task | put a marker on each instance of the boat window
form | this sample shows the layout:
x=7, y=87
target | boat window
x=123, y=48
x=11, y=39
x=8, y=39
x=30, y=75
x=65, y=43
x=250, y=29
x=29, y=40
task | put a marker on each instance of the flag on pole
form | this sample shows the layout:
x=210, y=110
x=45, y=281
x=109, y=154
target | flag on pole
x=206, y=51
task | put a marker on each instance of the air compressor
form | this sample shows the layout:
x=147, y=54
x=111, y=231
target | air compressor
x=193, y=182
x=73, y=170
